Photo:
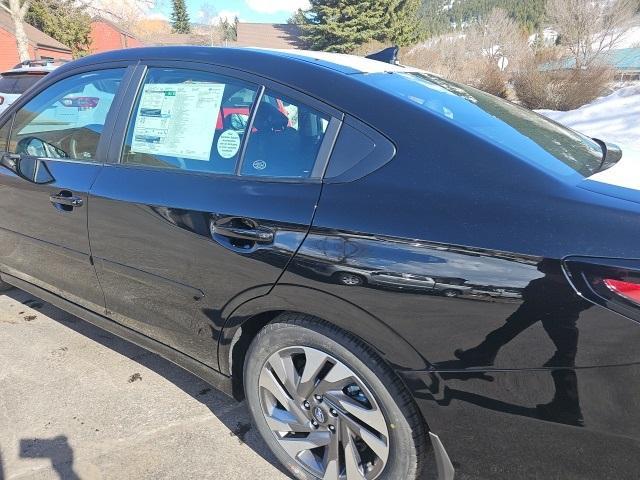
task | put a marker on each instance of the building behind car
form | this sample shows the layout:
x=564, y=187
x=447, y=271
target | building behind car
x=41, y=45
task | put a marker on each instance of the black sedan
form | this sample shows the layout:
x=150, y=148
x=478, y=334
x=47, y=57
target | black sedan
x=206, y=203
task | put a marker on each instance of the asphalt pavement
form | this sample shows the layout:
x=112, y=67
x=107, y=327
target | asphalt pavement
x=79, y=403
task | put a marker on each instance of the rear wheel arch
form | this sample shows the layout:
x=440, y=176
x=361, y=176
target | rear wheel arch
x=243, y=324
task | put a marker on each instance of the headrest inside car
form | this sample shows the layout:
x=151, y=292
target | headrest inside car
x=269, y=118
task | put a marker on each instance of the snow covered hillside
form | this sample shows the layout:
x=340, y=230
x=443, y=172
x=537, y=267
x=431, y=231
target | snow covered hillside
x=614, y=118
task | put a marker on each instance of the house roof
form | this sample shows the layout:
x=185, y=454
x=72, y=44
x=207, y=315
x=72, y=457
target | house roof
x=621, y=59
x=268, y=35
x=625, y=59
x=113, y=25
x=36, y=37
x=171, y=39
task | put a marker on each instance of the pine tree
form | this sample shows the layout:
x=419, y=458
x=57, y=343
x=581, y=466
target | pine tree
x=180, y=17
x=65, y=20
x=403, y=24
x=343, y=25
x=438, y=16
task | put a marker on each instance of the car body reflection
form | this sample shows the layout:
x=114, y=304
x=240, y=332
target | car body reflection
x=387, y=263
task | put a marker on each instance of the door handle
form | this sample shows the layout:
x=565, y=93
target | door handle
x=257, y=234
x=67, y=199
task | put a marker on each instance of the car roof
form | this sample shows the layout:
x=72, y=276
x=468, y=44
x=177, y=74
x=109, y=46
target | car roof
x=344, y=63
x=245, y=58
x=28, y=70
x=325, y=76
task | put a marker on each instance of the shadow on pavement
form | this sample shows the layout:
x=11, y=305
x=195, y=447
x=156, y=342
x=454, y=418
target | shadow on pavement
x=57, y=449
x=219, y=404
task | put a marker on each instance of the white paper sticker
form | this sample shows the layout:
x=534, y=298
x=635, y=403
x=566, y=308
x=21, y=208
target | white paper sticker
x=177, y=120
x=228, y=143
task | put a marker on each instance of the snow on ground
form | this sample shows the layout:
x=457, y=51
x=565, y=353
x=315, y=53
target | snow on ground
x=614, y=118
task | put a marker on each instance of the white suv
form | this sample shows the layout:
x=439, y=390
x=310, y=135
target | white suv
x=16, y=81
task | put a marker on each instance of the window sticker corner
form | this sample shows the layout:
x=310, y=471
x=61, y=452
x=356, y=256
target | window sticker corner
x=177, y=119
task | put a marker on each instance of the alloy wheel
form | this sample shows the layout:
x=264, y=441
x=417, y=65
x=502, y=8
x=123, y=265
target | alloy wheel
x=323, y=415
x=350, y=279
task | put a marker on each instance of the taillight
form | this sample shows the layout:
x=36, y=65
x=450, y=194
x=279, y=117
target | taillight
x=627, y=290
x=1, y=100
x=613, y=283
x=80, y=102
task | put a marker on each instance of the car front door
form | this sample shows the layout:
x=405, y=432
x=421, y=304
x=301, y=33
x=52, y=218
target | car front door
x=198, y=208
x=55, y=142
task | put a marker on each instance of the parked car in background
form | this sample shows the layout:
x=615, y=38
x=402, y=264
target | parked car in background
x=20, y=78
x=273, y=220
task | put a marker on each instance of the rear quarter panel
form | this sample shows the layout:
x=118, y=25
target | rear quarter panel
x=550, y=389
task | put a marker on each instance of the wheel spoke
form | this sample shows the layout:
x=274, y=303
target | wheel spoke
x=315, y=362
x=372, y=417
x=377, y=444
x=331, y=457
x=336, y=379
x=283, y=421
x=269, y=382
x=352, y=458
x=284, y=369
x=295, y=445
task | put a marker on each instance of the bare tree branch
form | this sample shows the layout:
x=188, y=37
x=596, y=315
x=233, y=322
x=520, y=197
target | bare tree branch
x=590, y=28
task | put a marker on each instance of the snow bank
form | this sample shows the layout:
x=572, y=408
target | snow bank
x=614, y=118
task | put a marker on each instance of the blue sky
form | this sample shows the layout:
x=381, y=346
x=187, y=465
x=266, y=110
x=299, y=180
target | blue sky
x=272, y=11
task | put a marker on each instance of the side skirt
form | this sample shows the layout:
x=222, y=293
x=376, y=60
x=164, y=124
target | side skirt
x=213, y=377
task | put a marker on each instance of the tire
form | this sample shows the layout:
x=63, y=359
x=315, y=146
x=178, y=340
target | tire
x=450, y=293
x=350, y=279
x=395, y=445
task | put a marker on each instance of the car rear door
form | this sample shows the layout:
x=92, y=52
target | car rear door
x=193, y=214
x=43, y=226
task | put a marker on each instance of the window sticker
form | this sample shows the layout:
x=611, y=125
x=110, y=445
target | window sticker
x=259, y=164
x=177, y=120
x=228, y=144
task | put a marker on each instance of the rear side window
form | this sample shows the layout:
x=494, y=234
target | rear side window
x=25, y=82
x=17, y=84
x=189, y=120
x=539, y=140
x=285, y=139
x=7, y=84
x=66, y=119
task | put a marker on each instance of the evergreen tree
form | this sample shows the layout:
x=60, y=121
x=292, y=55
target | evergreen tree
x=440, y=16
x=403, y=25
x=343, y=25
x=180, y=17
x=297, y=18
x=65, y=20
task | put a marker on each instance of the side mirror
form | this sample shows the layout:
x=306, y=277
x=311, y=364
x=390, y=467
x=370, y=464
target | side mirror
x=31, y=169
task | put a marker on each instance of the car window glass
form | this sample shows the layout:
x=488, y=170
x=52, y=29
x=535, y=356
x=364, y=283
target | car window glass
x=23, y=83
x=535, y=138
x=189, y=120
x=7, y=84
x=285, y=138
x=67, y=119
